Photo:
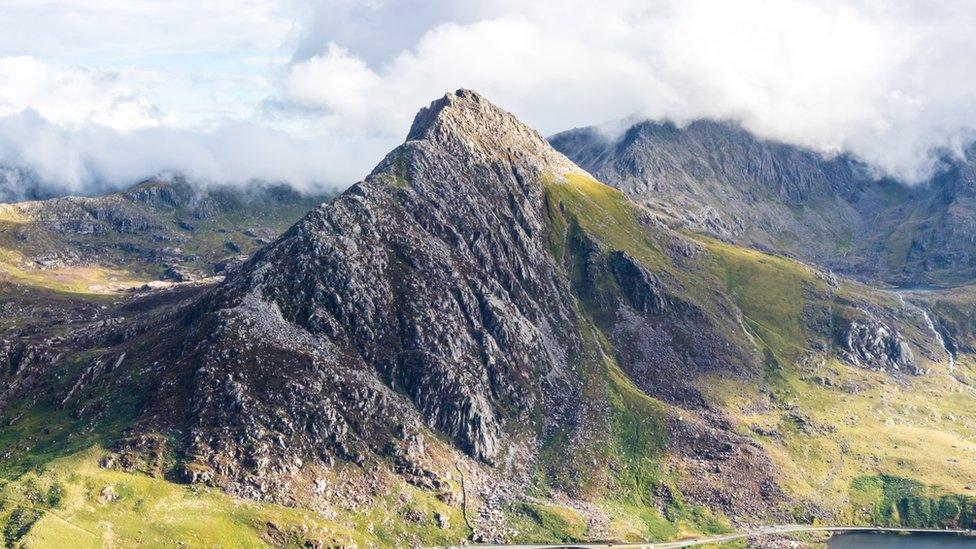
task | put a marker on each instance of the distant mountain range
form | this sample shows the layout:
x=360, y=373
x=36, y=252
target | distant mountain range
x=161, y=228
x=716, y=178
x=481, y=341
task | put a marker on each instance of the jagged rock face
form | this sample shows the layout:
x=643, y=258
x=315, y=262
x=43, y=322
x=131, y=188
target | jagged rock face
x=934, y=238
x=88, y=216
x=716, y=178
x=871, y=344
x=18, y=362
x=423, y=295
x=643, y=290
x=665, y=159
x=438, y=298
x=132, y=210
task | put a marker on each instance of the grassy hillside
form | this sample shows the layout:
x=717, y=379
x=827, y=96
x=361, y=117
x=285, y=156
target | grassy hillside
x=73, y=498
x=826, y=423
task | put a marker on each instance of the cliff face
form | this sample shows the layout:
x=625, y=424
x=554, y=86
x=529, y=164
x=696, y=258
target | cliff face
x=424, y=295
x=159, y=227
x=665, y=159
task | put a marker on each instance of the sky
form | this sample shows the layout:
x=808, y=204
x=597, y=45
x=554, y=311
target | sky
x=104, y=93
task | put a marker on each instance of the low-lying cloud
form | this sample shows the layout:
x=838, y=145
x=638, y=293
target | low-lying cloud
x=91, y=158
x=316, y=102
x=889, y=82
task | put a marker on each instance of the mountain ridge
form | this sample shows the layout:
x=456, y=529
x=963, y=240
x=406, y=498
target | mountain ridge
x=447, y=136
x=160, y=228
x=717, y=178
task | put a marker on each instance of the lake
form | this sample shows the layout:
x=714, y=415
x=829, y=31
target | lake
x=896, y=541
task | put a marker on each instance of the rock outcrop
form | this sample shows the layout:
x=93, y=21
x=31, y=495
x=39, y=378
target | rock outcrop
x=162, y=220
x=871, y=344
x=425, y=303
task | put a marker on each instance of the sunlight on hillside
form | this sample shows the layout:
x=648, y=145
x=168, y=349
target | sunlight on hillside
x=75, y=498
x=74, y=280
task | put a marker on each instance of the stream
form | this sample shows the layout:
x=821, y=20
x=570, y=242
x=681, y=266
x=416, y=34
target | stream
x=931, y=326
x=864, y=540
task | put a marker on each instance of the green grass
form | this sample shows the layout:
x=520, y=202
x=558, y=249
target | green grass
x=52, y=489
x=73, y=498
x=835, y=448
x=603, y=212
x=897, y=501
x=539, y=523
x=772, y=293
x=80, y=280
x=106, y=507
x=37, y=429
x=110, y=266
x=637, y=422
x=623, y=464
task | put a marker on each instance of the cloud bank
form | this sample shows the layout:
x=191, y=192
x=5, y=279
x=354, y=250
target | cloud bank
x=315, y=92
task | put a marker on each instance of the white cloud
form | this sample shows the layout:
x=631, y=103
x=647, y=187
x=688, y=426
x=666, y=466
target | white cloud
x=336, y=81
x=88, y=158
x=146, y=30
x=886, y=81
x=71, y=96
x=318, y=90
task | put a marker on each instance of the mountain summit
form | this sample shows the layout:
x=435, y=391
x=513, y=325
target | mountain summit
x=423, y=295
x=466, y=123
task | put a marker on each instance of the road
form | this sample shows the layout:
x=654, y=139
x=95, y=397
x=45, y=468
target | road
x=767, y=530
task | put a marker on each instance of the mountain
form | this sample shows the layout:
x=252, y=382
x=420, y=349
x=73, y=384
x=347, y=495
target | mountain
x=161, y=228
x=716, y=178
x=480, y=341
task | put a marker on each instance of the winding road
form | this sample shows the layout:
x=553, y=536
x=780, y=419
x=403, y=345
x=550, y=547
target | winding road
x=768, y=530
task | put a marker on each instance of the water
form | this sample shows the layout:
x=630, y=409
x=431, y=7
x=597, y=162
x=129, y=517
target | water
x=931, y=326
x=899, y=541
x=919, y=288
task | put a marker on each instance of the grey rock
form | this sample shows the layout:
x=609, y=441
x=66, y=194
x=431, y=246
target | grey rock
x=871, y=344
x=424, y=295
x=179, y=273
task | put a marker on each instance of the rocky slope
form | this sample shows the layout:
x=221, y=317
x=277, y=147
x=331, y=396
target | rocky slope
x=716, y=178
x=480, y=341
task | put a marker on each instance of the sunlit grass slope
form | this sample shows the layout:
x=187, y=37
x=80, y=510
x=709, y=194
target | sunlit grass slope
x=72, y=500
x=827, y=424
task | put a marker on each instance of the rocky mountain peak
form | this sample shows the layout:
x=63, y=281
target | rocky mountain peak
x=466, y=122
x=424, y=297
